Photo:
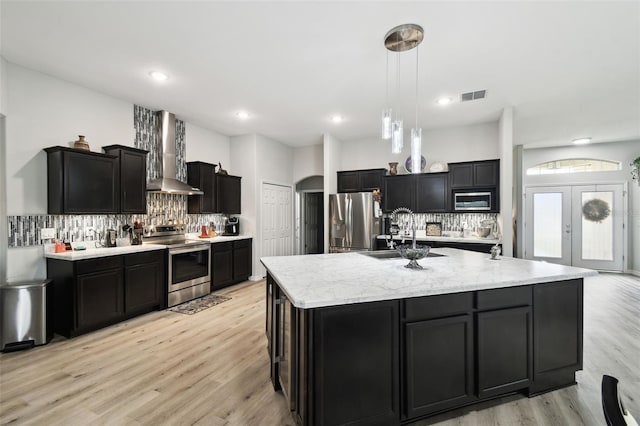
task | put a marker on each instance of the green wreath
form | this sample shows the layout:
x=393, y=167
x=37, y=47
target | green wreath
x=596, y=210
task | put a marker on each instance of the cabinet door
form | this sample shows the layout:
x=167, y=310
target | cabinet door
x=241, y=260
x=91, y=183
x=504, y=351
x=398, y=191
x=461, y=175
x=485, y=173
x=228, y=194
x=558, y=333
x=143, y=287
x=99, y=298
x=202, y=176
x=349, y=181
x=438, y=373
x=133, y=182
x=221, y=265
x=371, y=179
x=431, y=193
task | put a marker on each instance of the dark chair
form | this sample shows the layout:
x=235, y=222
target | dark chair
x=614, y=412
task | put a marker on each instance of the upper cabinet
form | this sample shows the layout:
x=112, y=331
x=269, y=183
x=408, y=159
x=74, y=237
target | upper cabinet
x=82, y=182
x=360, y=180
x=474, y=174
x=133, y=178
x=221, y=193
x=422, y=193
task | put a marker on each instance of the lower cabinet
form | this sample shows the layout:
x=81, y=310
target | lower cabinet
x=230, y=262
x=93, y=293
x=439, y=364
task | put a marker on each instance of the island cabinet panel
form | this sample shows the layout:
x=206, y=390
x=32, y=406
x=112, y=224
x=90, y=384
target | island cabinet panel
x=438, y=369
x=504, y=351
x=356, y=364
x=557, y=321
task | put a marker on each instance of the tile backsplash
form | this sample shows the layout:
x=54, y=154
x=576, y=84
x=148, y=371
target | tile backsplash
x=449, y=221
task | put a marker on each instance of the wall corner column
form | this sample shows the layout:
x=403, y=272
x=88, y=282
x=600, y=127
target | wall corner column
x=506, y=217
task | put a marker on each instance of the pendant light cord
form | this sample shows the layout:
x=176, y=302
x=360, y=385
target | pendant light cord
x=416, y=88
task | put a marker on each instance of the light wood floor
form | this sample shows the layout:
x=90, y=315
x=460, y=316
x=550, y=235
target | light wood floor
x=211, y=368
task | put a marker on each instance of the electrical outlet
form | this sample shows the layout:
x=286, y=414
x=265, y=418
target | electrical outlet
x=47, y=233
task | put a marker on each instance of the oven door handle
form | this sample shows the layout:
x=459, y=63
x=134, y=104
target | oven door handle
x=189, y=249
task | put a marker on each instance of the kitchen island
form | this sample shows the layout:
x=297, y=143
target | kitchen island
x=358, y=339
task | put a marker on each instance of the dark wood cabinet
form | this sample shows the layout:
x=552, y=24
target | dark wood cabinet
x=557, y=321
x=82, y=182
x=144, y=281
x=133, y=178
x=360, y=180
x=99, y=298
x=397, y=191
x=230, y=262
x=431, y=193
x=202, y=176
x=221, y=193
x=228, y=194
x=474, y=174
x=93, y=293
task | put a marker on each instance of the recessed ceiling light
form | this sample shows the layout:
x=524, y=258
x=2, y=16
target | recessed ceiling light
x=337, y=119
x=243, y=115
x=158, y=76
x=445, y=100
x=582, y=141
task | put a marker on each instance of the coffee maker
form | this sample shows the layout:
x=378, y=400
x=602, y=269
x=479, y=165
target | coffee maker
x=232, y=226
x=110, y=240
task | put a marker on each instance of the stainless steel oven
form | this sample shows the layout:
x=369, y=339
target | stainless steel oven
x=188, y=263
x=478, y=201
x=189, y=271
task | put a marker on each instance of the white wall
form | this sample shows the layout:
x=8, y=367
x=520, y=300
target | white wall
x=332, y=153
x=3, y=86
x=275, y=161
x=243, y=154
x=467, y=143
x=208, y=146
x=505, y=147
x=307, y=161
x=624, y=152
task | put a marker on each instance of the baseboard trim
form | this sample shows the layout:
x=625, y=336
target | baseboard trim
x=632, y=272
x=255, y=278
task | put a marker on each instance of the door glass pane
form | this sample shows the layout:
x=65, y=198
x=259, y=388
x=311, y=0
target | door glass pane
x=597, y=225
x=547, y=224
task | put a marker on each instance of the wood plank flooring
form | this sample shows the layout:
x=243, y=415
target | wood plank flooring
x=211, y=368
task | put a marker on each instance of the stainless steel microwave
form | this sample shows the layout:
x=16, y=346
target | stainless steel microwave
x=471, y=201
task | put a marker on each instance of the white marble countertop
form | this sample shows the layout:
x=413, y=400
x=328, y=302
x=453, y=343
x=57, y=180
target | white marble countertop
x=313, y=281
x=217, y=239
x=470, y=240
x=91, y=252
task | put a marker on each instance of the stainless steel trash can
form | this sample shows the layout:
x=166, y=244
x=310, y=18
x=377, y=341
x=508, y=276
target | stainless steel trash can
x=26, y=314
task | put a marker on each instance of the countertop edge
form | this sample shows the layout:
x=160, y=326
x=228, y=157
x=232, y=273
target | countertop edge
x=74, y=255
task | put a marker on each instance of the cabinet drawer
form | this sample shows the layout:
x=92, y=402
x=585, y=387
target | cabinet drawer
x=101, y=264
x=421, y=308
x=242, y=243
x=504, y=298
x=144, y=257
x=217, y=247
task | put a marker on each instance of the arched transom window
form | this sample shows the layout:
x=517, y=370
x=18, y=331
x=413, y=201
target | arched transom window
x=574, y=165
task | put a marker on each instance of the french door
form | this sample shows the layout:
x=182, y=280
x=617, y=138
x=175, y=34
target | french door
x=579, y=225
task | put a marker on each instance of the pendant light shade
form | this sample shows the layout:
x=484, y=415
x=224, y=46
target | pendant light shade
x=386, y=124
x=416, y=150
x=397, y=134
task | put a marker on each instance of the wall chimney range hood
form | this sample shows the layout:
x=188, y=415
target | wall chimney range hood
x=166, y=181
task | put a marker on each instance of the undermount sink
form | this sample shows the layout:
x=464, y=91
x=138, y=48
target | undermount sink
x=391, y=254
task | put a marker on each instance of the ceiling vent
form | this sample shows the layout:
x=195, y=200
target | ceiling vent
x=472, y=96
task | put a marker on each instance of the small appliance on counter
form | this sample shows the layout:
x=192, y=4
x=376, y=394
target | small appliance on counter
x=110, y=240
x=232, y=227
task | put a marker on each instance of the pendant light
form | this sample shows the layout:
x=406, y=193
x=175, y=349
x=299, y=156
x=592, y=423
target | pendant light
x=400, y=39
x=387, y=113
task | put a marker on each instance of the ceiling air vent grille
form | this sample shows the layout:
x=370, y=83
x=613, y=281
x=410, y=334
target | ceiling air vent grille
x=472, y=96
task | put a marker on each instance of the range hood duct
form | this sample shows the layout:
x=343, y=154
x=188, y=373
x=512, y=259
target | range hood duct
x=166, y=181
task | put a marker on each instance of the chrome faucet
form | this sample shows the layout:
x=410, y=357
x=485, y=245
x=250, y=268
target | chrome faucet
x=390, y=242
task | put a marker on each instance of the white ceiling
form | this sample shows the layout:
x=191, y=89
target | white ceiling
x=569, y=69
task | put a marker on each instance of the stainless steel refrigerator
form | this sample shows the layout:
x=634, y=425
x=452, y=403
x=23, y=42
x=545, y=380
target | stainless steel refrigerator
x=353, y=222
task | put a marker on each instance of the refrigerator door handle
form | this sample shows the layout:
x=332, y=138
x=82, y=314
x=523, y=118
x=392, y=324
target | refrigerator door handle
x=349, y=218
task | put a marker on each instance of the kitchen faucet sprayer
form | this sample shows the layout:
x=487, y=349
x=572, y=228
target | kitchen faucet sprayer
x=393, y=228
